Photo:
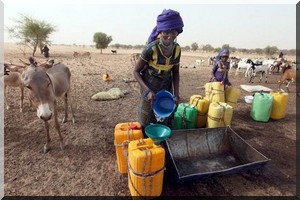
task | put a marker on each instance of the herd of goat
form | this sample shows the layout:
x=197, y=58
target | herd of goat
x=48, y=81
x=252, y=68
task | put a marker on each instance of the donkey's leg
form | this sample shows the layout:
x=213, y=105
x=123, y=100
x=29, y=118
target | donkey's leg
x=65, y=119
x=73, y=116
x=57, y=126
x=71, y=106
x=48, y=140
x=5, y=98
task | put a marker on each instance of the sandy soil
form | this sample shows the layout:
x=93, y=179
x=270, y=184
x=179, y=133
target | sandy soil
x=88, y=164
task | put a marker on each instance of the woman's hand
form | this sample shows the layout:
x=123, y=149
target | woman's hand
x=150, y=95
x=176, y=99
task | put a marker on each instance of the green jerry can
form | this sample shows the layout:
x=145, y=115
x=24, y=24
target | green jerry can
x=185, y=117
x=261, y=107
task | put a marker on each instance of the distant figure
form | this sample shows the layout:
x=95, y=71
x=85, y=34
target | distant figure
x=221, y=68
x=45, y=51
x=280, y=55
x=114, y=51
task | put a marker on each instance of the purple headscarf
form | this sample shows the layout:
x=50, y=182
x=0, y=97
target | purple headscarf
x=223, y=52
x=167, y=20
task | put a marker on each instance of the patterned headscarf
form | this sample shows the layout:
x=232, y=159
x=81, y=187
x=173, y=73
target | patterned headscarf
x=167, y=20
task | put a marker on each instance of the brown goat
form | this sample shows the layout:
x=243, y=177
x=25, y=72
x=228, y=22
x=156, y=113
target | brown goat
x=288, y=76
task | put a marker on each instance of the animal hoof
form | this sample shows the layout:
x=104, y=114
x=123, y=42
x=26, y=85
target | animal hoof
x=62, y=146
x=64, y=120
x=46, y=148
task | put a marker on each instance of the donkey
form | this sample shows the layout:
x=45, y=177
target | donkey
x=45, y=86
x=12, y=78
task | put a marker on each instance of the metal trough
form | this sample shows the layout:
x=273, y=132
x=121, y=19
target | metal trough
x=201, y=153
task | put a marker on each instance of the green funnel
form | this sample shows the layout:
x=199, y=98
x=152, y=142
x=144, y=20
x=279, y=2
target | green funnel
x=157, y=132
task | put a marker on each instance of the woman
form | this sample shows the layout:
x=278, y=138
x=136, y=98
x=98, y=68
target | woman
x=221, y=68
x=158, y=66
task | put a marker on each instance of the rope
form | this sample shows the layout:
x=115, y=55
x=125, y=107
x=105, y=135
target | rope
x=221, y=118
x=183, y=118
x=211, y=92
x=144, y=175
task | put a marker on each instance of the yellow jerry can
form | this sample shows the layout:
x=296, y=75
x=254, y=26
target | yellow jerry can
x=146, y=164
x=280, y=101
x=232, y=95
x=214, y=92
x=202, y=104
x=219, y=115
x=124, y=133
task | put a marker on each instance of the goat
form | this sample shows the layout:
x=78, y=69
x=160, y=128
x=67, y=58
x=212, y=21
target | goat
x=276, y=65
x=114, y=51
x=83, y=55
x=257, y=67
x=243, y=65
x=199, y=62
x=45, y=86
x=288, y=76
x=233, y=63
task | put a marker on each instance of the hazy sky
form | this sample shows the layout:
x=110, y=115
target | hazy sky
x=250, y=25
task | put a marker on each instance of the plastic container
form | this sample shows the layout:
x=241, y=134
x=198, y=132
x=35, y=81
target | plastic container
x=146, y=168
x=214, y=92
x=124, y=133
x=249, y=99
x=261, y=107
x=202, y=105
x=185, y=117
x=164, y=104
x=219, y=115
x=232, y=95
x=280, y=101
x=157, y=132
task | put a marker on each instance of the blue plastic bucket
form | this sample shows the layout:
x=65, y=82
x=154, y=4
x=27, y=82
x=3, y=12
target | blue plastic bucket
x=164, y=104
x=157, y=132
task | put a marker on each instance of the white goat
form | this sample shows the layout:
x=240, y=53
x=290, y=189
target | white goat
x=243, y=65
x=257, y=68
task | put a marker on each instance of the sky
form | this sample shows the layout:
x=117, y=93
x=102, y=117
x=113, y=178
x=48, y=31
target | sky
x=250, y=25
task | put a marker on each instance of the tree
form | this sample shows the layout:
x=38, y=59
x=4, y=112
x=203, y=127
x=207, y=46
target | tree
x=32, y=32
x=270, y=50
x=102, y=40
x=258, y=51
x=225, y=46
x=186, y=48
x=194, y=46
x=117, y=45
x=207, y=47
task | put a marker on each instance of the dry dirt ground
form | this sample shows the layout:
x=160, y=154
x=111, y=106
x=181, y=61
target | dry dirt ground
x=87, y=166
